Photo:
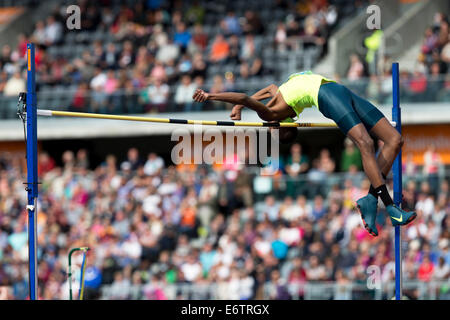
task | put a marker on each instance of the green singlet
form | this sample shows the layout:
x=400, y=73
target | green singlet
x=301, y=90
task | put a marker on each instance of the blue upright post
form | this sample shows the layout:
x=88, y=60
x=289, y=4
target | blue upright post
x=397, y=178
x=32, y=179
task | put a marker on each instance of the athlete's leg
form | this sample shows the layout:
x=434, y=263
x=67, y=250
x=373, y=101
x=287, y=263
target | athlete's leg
x=377, y=124
x=336, y=103
x=356, y=116
x=359, y=135
x=393, y=142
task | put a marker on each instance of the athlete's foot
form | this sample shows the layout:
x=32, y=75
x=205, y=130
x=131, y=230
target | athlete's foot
x=400, y=217
x=367, y=207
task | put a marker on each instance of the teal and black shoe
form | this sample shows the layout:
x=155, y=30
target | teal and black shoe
x=367, y=207
x=400, y=217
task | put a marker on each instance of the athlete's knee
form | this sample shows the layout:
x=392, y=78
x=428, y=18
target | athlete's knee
x=398, y=140
x=365, y=143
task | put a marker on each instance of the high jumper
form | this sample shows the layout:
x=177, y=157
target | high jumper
x=356, y=117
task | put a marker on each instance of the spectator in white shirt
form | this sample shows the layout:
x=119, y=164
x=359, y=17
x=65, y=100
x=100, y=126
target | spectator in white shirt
x=99, y=80
x=184, y=93
x=14, y=85
x=158, y=94
x=153, y=165
x=39, y=34
x=53, y=31
x=192, y=269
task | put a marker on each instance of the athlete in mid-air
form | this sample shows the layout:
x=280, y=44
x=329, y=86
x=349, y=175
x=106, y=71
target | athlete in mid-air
x=355, y=116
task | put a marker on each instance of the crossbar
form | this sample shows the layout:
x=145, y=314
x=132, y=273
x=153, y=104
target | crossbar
x=54, y=113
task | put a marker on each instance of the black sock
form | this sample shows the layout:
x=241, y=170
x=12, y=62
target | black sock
x=383, y=193
x=372, y=190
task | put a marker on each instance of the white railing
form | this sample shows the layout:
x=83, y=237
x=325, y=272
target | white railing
x=433, y=290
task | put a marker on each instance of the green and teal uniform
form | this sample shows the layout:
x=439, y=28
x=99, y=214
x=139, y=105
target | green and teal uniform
x=336, y=102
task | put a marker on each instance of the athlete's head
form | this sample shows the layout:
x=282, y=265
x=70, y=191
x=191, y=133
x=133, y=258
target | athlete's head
x=287, y=134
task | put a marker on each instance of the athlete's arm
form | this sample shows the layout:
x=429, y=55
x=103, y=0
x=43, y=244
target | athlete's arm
x=265, y=93
x=262, y=94
x=276, y=113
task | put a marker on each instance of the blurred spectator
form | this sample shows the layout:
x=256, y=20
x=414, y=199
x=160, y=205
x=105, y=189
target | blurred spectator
x=192, y=269
x=53, y=31
x=315, y=271
x=14, y=85
x=418, y=84
x=249, y=48
x=441, y=270
x=111, y=82
x=196, y=13
x=120, y=288
x=230, y=24
x=318, y=210
x=409, y=167
x=356, y=69
x=252, y=23
x=281, y=37
x=432, y=163
x=39, y=34
x=292, y=33
x=157, y=96
x=45, y=163
x=184, y=93
x=311, y=35
x=182, y=37
x=185, y=65
x=436, y=82
x=296, y=164
x=426, y=269
x=429, y=42
x=199, y=37
x=350, y=156
x=153, y=165
x=110, y=57
x=326, y=163
x=167, y=51
x=80, y=100
x=219, y=49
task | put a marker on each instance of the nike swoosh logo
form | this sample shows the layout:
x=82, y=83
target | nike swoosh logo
x=399, y=220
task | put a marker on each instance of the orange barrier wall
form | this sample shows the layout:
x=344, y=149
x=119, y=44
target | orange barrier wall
x=419, y=137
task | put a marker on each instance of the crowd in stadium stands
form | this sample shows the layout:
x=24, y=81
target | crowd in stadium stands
x=430, y=80
x=151, y=57
x=151, y=225
x=138, y=58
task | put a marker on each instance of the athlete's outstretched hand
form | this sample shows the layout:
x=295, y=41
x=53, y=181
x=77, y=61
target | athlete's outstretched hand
x=236, y=112
x=200, y=95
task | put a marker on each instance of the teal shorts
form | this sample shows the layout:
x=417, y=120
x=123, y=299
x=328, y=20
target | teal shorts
x=339, y=104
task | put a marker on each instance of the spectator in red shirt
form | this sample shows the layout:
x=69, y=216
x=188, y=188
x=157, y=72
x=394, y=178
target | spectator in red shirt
x=426, y=269
x=46, y=163
x=200, y=39
x=418, y=84
x=80, y=100
x=297, y=276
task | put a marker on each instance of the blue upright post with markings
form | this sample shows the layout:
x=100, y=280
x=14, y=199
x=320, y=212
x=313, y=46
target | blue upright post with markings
x=32, y=174
x=397, y=178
